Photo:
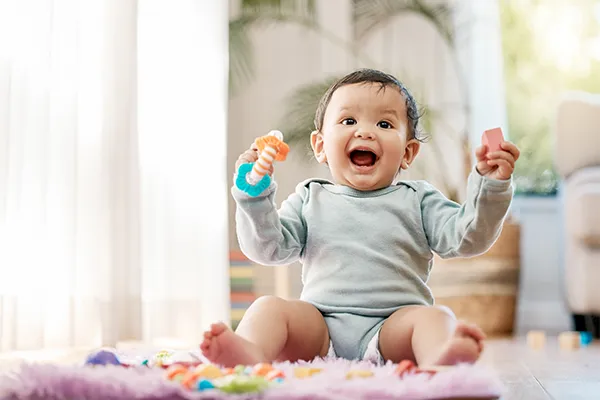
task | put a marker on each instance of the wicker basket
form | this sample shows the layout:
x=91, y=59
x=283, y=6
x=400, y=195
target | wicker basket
x=482, y=290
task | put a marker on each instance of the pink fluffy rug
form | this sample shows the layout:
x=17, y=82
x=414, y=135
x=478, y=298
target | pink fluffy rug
x=50, y=382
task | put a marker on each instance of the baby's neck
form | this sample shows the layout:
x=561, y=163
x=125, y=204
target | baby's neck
x=382, y=186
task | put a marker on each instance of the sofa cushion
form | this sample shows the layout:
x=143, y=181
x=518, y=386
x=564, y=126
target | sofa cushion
x=582, y=206
x=577, y=136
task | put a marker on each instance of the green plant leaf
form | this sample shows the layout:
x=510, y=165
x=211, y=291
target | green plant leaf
x=368, y=14
x=260, y=14
x=241, y=56
x=300, y=108
x=305, y=8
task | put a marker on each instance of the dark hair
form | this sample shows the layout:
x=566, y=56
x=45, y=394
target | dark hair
x=372, y=76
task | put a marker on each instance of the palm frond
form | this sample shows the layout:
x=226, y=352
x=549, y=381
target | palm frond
x=260, y=14
x=299, y=113
x=304, y=8
x=368, y=14
x=241, y=56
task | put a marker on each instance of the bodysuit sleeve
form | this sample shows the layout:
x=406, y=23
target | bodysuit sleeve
x=266, y=235
x=470, y=229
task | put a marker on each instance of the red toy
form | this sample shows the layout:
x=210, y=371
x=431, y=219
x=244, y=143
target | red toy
x=492, y=138
x=408, y=367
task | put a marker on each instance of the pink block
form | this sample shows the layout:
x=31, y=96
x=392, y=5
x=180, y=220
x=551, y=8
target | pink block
x=492, y=138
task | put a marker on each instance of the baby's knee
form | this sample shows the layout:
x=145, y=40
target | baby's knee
x=269, y=303
x=437, y=311
x=443, y=311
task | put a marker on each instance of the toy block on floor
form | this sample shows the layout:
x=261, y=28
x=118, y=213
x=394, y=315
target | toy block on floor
x=586, y=338
x=492, y=138
x=536, y=339
x=569, y=340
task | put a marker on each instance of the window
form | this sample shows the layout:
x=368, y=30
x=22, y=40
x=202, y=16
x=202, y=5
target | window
x=549, y=47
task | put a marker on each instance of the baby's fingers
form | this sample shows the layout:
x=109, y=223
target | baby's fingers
x=483, y=167
x=248, y=156
x=480, y=152
x=502, y=155
x=251, y=155
x=511, y=148
x=504, y=171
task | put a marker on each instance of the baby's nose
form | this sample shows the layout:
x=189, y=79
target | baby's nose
x=364, y=134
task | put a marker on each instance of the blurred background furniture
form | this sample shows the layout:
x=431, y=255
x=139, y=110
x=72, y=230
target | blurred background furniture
x=577, y=158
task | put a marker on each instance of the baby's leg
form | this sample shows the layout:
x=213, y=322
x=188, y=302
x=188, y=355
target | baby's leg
x=272, y=329
x=429, y=336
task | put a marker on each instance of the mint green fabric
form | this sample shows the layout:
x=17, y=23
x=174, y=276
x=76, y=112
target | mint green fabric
x=368, y=253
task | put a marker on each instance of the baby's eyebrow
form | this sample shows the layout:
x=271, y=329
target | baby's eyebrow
x=391, y=111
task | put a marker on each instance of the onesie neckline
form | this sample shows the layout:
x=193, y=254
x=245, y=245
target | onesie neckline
x=348, y=191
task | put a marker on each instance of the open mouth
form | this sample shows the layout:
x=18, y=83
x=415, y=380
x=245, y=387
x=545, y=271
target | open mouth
x=363, y=158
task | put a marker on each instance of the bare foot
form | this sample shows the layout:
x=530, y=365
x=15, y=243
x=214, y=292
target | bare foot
x=223, y=347
x=464, y=346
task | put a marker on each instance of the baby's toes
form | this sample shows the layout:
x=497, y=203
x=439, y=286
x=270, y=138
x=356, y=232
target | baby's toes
x=218, y=328
x=208, y=351
x=480, y=344
x=469, y=330
x=205, y=345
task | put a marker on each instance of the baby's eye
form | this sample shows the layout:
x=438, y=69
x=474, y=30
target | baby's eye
x=384, y=125
x=348, y=121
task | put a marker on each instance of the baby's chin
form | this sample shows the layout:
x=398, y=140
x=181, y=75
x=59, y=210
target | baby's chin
x=366, y=184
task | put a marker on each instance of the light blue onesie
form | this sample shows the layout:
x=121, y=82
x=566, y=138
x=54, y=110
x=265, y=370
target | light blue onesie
x=364, y=255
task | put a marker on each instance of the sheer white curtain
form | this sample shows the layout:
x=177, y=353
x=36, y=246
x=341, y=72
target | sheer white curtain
x=479, y=39
x=183, y=72
x=113, y=222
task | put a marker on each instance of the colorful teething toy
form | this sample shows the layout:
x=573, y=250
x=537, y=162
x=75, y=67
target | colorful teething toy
x=253, y=178
x=103, y=357
x=194, y=375
x=241, y=379
x=493, y=139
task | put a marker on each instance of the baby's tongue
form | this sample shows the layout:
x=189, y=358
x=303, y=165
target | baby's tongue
x=362, y=158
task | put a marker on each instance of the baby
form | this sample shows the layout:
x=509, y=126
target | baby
x=366, y=241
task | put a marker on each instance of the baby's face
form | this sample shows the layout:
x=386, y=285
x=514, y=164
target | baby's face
x=364, y=139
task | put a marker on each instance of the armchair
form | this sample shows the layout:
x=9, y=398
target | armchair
x=577, y=160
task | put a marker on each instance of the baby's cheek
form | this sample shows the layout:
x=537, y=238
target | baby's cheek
x=402, y=132
x=395, y=145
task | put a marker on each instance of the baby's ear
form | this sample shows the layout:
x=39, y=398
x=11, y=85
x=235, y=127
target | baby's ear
x=410, y=153
x=316, y=142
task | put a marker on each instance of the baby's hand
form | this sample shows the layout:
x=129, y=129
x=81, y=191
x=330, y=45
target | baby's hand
x=498, y=164
x=249, y=156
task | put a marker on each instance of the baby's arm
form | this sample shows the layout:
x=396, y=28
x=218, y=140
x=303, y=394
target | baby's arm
x=266, y=235
x=470, y=229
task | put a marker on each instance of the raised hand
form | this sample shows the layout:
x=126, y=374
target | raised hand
x=498, y=164
x=250, y=156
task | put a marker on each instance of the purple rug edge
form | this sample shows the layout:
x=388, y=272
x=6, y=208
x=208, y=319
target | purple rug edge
x=74, y=382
